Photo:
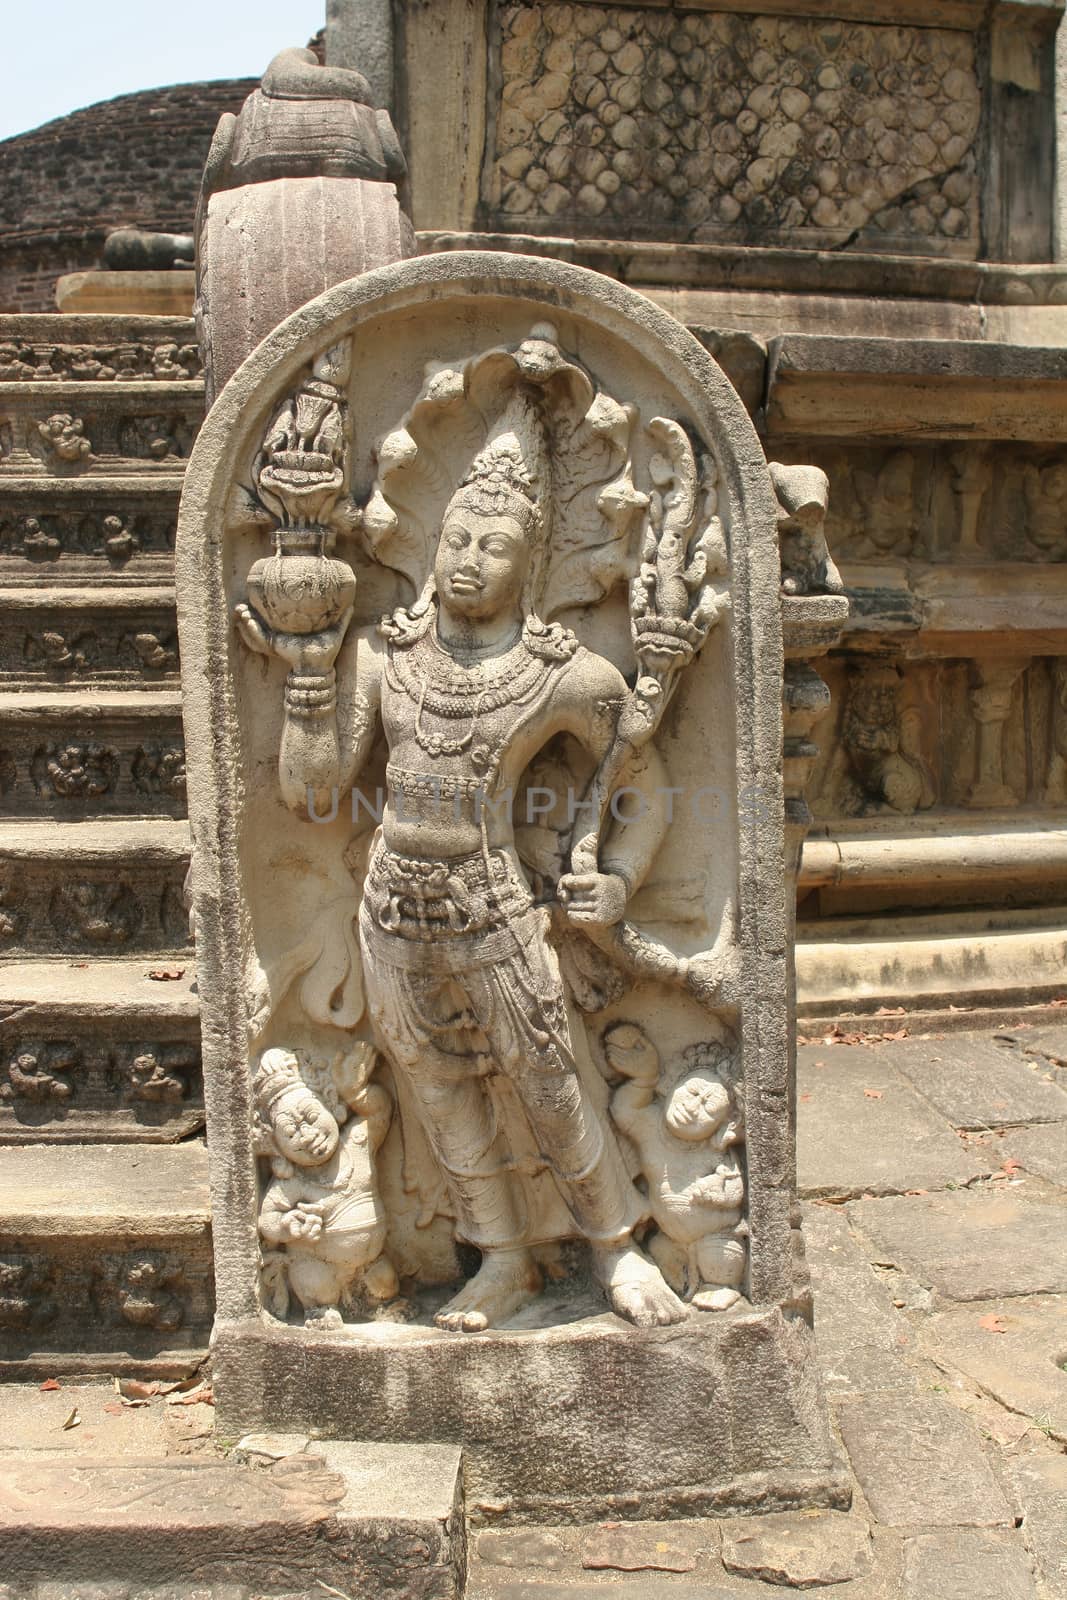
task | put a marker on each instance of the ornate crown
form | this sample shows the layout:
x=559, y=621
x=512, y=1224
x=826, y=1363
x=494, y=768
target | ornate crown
x=505, y=478
x=276, y=1074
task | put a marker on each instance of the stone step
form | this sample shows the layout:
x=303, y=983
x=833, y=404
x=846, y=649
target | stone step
x=342, y=1519
x=84, y=753
x=77, y=637
x=99, y=1050
x=852, y=966
x=105, y=1258
x=90, y=429
x=88, y=531
x=93, y=887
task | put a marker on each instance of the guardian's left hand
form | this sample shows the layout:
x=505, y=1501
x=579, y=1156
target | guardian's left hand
x=598, y=898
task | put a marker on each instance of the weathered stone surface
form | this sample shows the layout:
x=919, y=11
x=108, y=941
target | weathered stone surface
x=864, y=1130
x=919, y=1462
x=523, y=1547
x=970, y=1246
x=1042, y=1150
x=978, y=1084
x=977, y=1565
x=1040, y=1485
x=1014, y=1349
x=797, y=1551
x=860, y=1337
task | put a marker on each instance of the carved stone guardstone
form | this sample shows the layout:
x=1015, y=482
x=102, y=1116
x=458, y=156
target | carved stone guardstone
x=480, y=623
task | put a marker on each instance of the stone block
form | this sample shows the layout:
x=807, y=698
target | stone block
x=862, y=1129
x=362, y=1519
x=608, y=1413
x=127, y=294
x=970, y=1246
x=919, y=1462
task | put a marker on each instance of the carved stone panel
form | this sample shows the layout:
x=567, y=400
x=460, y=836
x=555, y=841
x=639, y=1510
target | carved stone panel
x=479, y=601
x=714, y=126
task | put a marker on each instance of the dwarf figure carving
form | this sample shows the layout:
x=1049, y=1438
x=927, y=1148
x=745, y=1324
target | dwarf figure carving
x=687, y=1131
x=321, y=1213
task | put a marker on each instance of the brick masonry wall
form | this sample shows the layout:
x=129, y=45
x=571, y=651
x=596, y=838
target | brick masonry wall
x=63, y=187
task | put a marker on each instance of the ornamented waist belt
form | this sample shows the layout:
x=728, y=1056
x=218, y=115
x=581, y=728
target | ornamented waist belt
x=430, y=900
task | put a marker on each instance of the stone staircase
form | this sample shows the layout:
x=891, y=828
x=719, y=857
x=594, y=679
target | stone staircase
x=105, y=1256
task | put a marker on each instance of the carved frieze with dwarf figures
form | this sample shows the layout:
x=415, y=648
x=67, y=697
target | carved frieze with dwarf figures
x=969, y=503
x=480, y=615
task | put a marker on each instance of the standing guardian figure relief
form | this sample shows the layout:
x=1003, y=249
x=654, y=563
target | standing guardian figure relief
x=507, y=940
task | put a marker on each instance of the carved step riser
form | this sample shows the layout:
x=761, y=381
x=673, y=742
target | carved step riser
x=108, y=1079
x=103, y=907
x=137, y=1296
x=74, y=534
x=75, y=767
x=42, y=646
x=68, y=348
x=86, y=430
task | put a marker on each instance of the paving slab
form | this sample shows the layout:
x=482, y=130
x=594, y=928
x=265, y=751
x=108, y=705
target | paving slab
x=920, y=1463
x=861, y=1338
x=1041, y=1150
x=1050, y=1043
x=797, y=1550
x=32, y=1419
x=1039, y=1482
x=863, y=1129
x=524, y=1547
x=1012, y=1348
x=649, y=1547
x=976, y=1083
x=970, y=1245
x=980, y=1564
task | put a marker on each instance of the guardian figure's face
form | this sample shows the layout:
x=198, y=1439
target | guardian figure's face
x=481, y=563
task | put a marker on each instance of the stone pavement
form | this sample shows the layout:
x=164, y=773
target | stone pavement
x=934, y=1177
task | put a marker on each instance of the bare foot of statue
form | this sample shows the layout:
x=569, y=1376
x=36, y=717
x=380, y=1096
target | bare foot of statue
x=635, y=1287
x=506, y=1280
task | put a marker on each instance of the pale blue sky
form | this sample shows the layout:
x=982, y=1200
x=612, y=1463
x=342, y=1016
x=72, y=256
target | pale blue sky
x=59, y=55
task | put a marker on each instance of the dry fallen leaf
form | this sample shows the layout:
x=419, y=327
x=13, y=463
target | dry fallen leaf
x=50, y=1384
x=136, y=1389
x=890, y=1011
x=992, y=1323
x=74, y=1420
x=873, y=1094
x=166, y=974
